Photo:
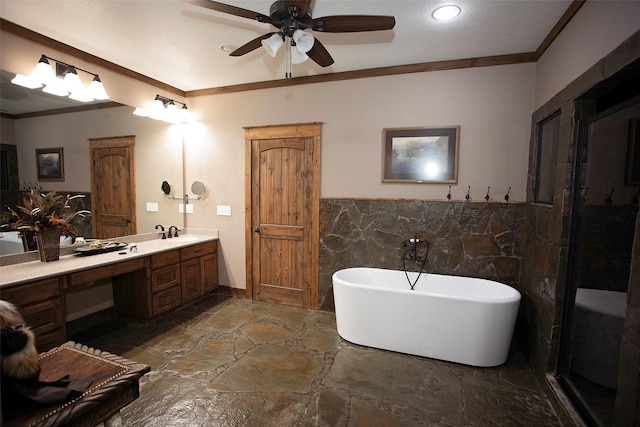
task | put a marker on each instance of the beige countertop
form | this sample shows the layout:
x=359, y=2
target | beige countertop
x=34, y=270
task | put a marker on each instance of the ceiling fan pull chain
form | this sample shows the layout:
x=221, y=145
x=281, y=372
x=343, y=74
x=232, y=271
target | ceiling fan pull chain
x=287, y=59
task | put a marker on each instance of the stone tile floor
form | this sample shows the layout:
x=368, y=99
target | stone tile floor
x=235, y=362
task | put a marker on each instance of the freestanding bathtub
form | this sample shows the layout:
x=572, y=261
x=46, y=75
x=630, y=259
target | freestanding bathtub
x=457, y=319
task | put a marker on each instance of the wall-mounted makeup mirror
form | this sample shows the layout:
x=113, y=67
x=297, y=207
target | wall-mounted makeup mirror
x=198, y=188
x=166, y=188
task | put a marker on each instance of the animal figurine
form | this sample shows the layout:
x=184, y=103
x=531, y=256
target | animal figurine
x=19, y=356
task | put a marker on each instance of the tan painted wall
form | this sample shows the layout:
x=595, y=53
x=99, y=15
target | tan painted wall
x=597, y=29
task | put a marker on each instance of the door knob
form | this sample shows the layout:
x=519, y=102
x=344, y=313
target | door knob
x=128, y=220
x=257, y=229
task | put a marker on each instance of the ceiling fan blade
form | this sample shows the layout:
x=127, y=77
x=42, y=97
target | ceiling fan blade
x=302, y=6
x=320, y=54
x=231, y=10
x=252, y=45
x=353, y=23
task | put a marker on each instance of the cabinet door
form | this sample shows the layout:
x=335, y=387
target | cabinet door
x=191, y=279
x=209, y=273
x=40, y=304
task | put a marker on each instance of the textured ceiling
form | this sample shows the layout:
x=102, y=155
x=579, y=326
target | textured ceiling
x=180, y=44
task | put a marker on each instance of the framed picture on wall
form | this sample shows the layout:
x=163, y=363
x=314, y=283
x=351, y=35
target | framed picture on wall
x=632, y=176
x=50, y=164
x=421, y=155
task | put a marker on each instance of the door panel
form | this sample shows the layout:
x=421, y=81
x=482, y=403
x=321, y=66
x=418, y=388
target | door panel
x=113, y=187
x=283, y=194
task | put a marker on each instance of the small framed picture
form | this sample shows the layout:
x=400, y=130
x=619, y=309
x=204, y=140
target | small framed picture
x=421, y=155
x=50, y=163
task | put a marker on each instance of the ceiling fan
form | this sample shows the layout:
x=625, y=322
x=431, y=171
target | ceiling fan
x=291, y=18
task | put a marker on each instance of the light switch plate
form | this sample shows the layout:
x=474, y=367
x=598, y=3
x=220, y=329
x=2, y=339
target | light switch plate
x=152, y=207
x=181, y=208
x=189, y=208
x=224, y=210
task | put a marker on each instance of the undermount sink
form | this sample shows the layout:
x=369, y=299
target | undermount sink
x=183, y=239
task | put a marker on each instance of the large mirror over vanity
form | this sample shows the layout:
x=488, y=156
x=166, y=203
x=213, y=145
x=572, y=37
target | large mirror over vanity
x=32, y=120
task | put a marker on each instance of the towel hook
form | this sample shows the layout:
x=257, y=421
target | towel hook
x=608, y=200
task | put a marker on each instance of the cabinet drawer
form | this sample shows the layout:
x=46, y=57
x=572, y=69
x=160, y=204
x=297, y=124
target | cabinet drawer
x=166, y=300
x=88, y=277
x=129, y=266
x=165, y=258
x=43, y=316
x=23, y=295
x=46, y=341
x=198, y=250
x=166, y=277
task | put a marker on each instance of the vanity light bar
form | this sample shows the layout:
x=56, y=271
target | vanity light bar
x=64, y=81
x=165, y=109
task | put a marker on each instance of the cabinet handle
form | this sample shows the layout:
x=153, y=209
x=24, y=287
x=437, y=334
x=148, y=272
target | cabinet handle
x=257, y=230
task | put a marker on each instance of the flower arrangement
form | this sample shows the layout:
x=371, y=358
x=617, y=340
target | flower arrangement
x=40, y=212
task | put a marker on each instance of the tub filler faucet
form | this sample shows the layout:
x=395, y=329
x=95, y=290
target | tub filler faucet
x=411, y=253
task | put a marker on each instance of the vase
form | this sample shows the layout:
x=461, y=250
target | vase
x=48, y=244
x=29, y=241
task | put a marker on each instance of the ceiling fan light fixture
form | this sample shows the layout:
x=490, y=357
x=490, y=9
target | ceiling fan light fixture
x=273, y=44
x=298, y=57
x=304, y=41
x=446, y=13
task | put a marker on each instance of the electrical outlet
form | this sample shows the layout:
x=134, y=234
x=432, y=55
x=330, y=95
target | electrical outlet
x=224, y=210
x=189, y=208
x=152, y=207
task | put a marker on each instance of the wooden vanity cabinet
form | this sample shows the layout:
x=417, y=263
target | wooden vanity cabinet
x=199, y=270
x=41, y=304
x=165, y=281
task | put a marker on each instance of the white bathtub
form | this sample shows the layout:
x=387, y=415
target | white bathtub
x=457, y=319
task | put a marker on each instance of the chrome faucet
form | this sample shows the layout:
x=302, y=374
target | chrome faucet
x=164, y=236
x=175, y=233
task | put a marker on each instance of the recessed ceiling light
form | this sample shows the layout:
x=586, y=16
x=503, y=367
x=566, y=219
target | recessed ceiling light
x=446, y=13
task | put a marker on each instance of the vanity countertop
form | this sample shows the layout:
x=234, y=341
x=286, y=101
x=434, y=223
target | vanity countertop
x=35, y=270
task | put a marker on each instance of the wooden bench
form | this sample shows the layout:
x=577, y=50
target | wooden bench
x=114, y=384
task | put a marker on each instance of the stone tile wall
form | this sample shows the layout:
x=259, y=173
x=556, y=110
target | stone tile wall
x=483, y=240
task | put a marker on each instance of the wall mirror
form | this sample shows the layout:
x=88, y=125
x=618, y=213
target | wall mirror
x=198, y=188
x=158, y=147
x=166, y=188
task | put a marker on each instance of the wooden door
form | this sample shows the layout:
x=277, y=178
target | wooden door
x=113, y=189
x=282, y=198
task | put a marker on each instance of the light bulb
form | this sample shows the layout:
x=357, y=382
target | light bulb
x=43, y=72
x=272, y=44
x=157, y=111
x=72, y=82
x=25, y=81
x=55, y=87
x=97, y=89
